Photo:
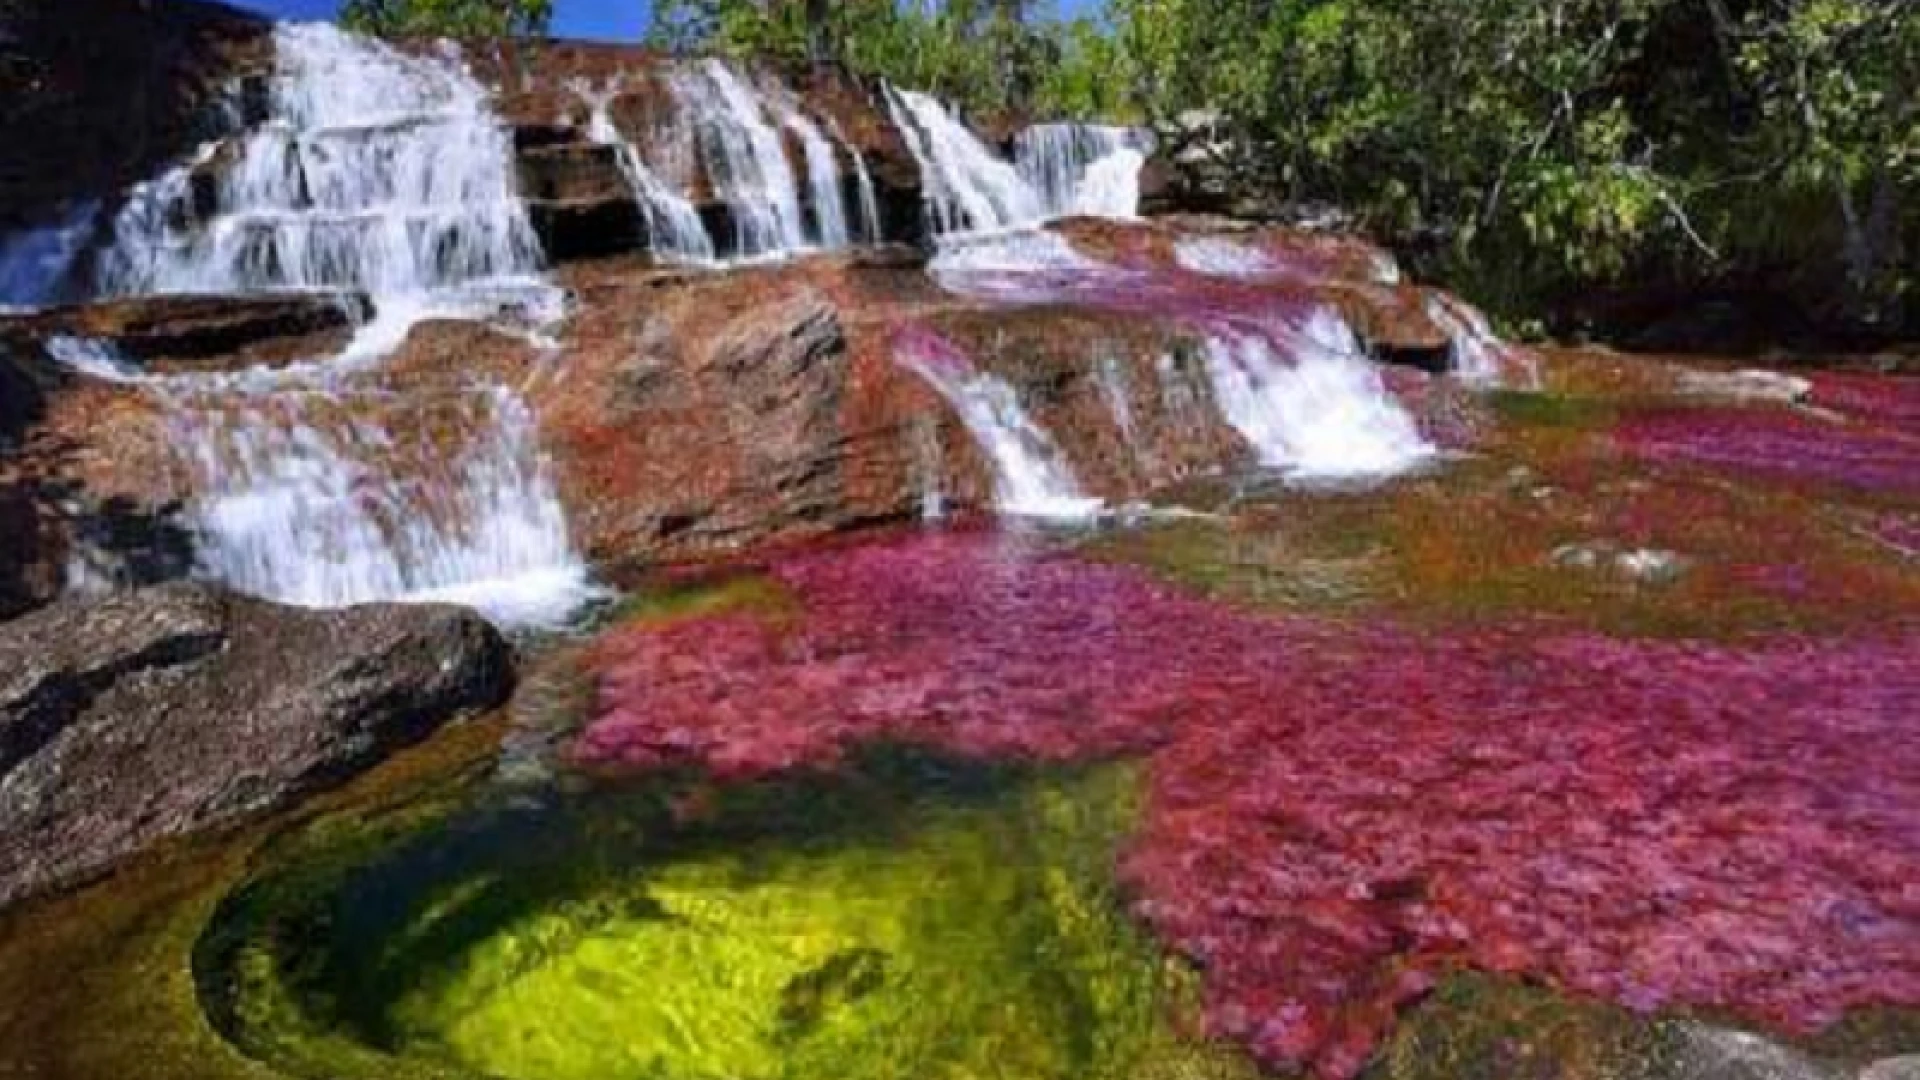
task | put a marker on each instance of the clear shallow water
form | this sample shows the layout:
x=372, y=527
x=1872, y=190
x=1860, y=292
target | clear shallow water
x=908, y=917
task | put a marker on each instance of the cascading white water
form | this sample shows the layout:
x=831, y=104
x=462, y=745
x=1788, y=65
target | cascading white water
x=93, y=358
x=34, y=264
x=1479, y=356
x=1308, y=402
x=383, y=172
x=830, y=229
x=1062, y=169
x=1112, y=380
x=868, y=227
x=1083, y=169
x=966, y=187
x=927, y=456
x=377, y=170
x=304, y=501
x=1183, y=395
x=1031, y=475
x=745, y=159
x=674, y=229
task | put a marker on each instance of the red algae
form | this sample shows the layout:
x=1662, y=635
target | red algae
x=1340, y=813
x=1890, y=400
x=1873, y=446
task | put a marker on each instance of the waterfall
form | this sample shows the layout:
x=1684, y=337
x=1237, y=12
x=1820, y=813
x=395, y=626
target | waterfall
x=1479, y=356
x=745, y=159
x=966, y=187
x=870, y=230
x=1112, y=380
x=34, y=264
x=1083, y=169
x=377, y=170
x=93, y=358
x=384, y=172
x=1183, y=395
x=830, y=229
x=301, y=500
x=1030, y=472
x=1062, y=169
x=1309, y=402
x=674, y=229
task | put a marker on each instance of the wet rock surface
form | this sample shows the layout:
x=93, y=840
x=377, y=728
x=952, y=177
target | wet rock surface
x=169, y=711
x=169, y=334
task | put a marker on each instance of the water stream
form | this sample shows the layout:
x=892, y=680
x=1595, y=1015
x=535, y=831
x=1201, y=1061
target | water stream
x=387, y=173
x=1309, y=402
x=674, y=229
x=1031, y=475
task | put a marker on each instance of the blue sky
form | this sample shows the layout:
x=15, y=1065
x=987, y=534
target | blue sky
x=598, y=20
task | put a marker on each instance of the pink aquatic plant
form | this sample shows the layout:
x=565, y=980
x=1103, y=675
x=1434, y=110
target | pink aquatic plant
x=1340, y=813
x=1790, y=444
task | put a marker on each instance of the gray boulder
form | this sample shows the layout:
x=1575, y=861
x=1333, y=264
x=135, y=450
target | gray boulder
x=173, y=710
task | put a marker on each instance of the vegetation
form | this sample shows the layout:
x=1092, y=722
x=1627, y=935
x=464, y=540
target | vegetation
x=1531, y=151
x=450, y=18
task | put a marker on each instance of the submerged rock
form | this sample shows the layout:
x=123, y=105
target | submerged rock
x=173, y=710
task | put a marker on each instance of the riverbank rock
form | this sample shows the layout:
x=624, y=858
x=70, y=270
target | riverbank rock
x=169, y=711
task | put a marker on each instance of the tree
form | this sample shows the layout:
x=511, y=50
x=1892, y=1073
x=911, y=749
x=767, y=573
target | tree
x=449, y=18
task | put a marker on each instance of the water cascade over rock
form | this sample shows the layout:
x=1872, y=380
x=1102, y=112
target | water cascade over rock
x=674, y=229
x=1083, y=169
x=826, y=199
x=387, y=173
x=1059, y=170
x=375, y=170
x=745, y=158
x=1031, y=475
x=1308, y=402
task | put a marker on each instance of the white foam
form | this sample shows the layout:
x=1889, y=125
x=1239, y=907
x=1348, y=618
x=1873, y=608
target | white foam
x=1309, y=403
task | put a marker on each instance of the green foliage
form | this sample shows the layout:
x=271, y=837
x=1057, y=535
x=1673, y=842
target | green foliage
x=986, y=55
x=1533, y=148
x=449, y=18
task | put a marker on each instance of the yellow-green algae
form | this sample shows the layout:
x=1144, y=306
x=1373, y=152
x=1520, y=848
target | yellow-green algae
x=903, y=918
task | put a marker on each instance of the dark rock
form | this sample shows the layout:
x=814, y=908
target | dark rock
x=169, y=711
x=888, y=257
x=26, y=579
x=537, y=136
x=588, y=228
x=571, y=171
x=25, y=379
x=216, y=333
x=100, y=94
